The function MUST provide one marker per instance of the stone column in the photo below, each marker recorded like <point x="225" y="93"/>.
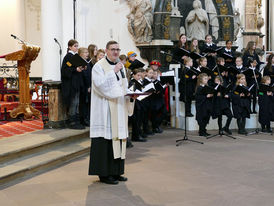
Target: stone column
<point x="252" y="33"/>
<point x="51" y="27"/>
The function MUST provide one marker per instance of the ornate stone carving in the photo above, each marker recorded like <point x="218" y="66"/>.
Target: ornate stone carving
<point x="197" y="23"/>
<point x="140" y="20"/>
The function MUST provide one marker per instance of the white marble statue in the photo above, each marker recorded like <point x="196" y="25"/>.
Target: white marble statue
<point x="140" y="20"/>
<point x="197" y="23"/>
<point x="213" y="19"/>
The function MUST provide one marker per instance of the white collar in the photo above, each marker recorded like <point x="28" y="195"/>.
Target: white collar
<point x="239" y="67"/>
<point x="209" y="44"/>
<point x="227" y="50"/>
<point x="71" y="52"/>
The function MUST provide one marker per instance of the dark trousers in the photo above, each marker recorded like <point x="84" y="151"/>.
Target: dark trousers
<point x="241" y="123"/>
<point x="136" y="121"/>
<point x="227" y="112"/>
<point x="102" y="162"/>
<point x="202" y="124"/>
<point x="157" y="117"/>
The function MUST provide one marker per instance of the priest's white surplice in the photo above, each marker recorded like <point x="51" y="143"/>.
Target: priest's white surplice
<point x="105" y="87"/>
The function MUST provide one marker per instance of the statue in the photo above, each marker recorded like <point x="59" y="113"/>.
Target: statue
<point x="197" y="23"/>
<point x="214" y="22"/>
<point x="237" y="24"/>
<point x="140" y="20"/>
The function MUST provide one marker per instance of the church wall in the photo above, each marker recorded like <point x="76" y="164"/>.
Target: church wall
<point x="104" y="20"/>
<point x="12" y="17"/>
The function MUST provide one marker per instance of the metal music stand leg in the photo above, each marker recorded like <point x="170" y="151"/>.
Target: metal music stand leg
<point x="220" y="135"/>
<point x="180" y="141"/>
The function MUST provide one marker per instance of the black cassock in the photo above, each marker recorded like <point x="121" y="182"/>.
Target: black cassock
<point x="269" y="72"/>
<point x="211" y="60"/>
<point x="203" y="107"/>
<point x="221" y="106"/>
<point x="72" y="81"/>
<point x="266" y="108"/>
<point x="102" y="162"/>
<point x="240" y="106"/>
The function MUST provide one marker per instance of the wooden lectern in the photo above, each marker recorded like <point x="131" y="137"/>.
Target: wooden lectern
<point x="24" y="58"/>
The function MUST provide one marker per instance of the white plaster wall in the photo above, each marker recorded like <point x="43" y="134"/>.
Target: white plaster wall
<point x="104" y="20"/>
<point x="13" y="22"/>
<point x="33" y="33"/>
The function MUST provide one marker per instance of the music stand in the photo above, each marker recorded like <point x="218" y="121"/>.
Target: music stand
<point x="180" y="141"/>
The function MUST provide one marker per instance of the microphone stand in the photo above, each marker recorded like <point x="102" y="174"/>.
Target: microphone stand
<point x="60" y="51"/>
<point x="15" y="37"/>
<point x="185" y="138"/>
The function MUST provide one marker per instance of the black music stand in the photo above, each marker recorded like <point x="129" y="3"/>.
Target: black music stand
<point x="180" y="141"/>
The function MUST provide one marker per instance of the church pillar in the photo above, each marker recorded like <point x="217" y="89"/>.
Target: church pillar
<point x="252" y="32"/>
<point x="51" y="27"/>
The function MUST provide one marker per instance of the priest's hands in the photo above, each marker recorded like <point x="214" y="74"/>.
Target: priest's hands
<point x="118" y="67"/>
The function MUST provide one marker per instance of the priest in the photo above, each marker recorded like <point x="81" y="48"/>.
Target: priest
<point x="110" y="108"/>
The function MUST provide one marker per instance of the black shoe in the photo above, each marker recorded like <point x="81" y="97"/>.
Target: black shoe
<point x="157" y="130"/>
<point x="109" y="180"/>
<point x="120" y="178"/>
<point x="254" y="112"/>
<point x="160" y="130"/>
<point x="269" y="130"/>
<point x="202" y="134"/>
<point x="228" y="131"/>
<point x="207" y="134"/>
<point x="144" y="135"/>
<point x="129" y="144"/>
<point x="244" y="132"/>
<point x="149" y="133"/>
<point x="138" y="139"/>
<point x="264" y="130"/>
<point x="189" y="114"/>
<point x="76" y="126"/>
<point x="221" y="132"/>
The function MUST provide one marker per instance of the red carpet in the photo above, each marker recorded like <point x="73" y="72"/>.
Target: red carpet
<point x="8" y="129"/>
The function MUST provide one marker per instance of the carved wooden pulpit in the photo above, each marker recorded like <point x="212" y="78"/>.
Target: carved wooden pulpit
<point x="24" y="58"/>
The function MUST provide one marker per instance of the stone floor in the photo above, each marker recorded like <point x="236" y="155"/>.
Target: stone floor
<point x="222" y="172"/>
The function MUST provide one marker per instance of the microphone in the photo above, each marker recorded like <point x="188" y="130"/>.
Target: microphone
<point x="56" y="41"/>
<point x="15" y="37"/>
<point x="121" y="70"/>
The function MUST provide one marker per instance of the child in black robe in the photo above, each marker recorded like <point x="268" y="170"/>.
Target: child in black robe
<point x="158" y="109"/>
<point x="265" y="105"/>
<point x="136" y="118"/>
<point x="72" y="82"/>
<point x="203" y="104"/>
<point x="221" y="106"/>
<point x="187" y="84"/>
<point x="241" y="104"/>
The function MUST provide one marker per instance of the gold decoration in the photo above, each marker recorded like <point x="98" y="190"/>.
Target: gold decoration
<point x="166" y="33"/>
<point x="226" y="36"/>
<point x="224" y="10"/>
<point x="226" y="22"/>
<point x="167" y="20"/>
<point x="219" y="1"/>
<point x="169" y="6"/>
